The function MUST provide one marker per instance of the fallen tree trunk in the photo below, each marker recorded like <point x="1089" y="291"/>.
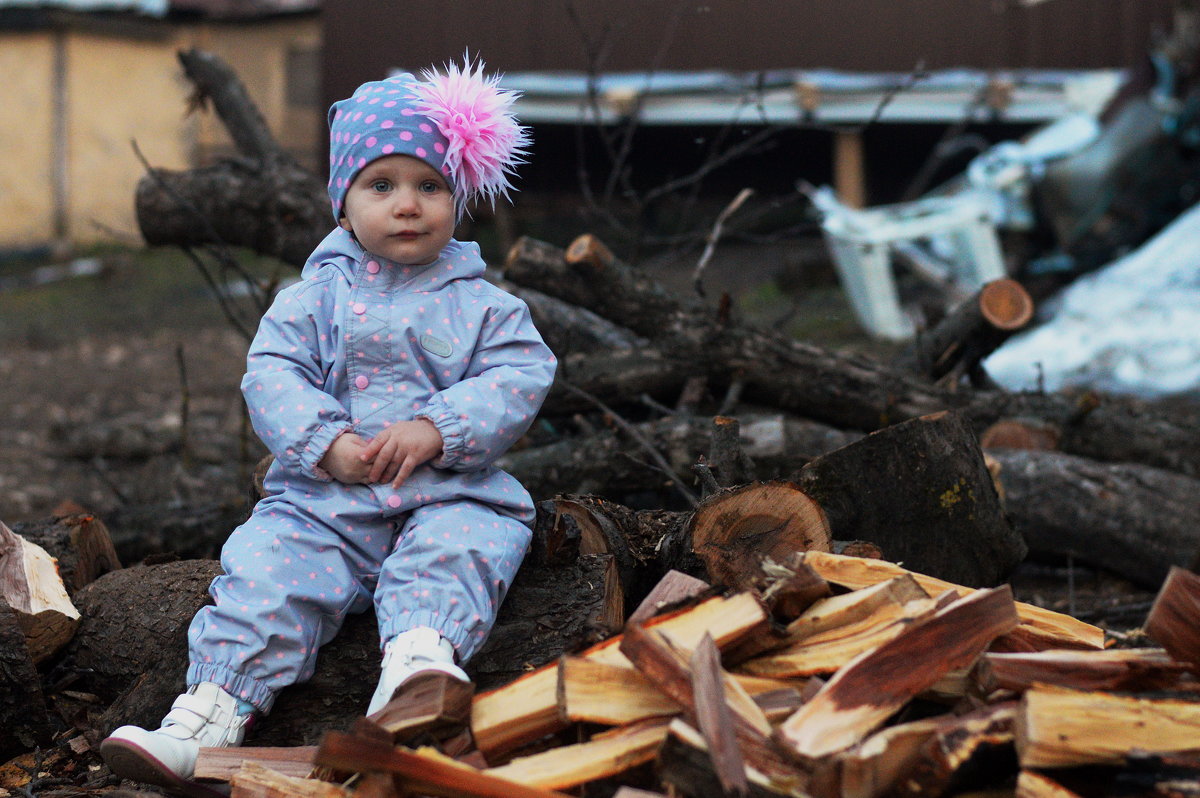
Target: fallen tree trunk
<point x="264" y="201"/>
<point x="846" y="391"/>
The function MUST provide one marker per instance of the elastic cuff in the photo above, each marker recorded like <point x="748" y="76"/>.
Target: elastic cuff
<point x="450" y="426"/>
<point x="459" y="636"/>
<point x="238" y="685"/>
<point x="318" y="445"/>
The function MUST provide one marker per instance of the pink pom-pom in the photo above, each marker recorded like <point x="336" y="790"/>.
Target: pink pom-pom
<point x="485" y="142"/>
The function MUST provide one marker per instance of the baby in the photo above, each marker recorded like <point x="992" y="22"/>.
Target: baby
<point x="386" y="383"/>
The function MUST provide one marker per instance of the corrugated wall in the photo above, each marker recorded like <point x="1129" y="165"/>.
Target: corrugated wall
<point x="364" y="38"/>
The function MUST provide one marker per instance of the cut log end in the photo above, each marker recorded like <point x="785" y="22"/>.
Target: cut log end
<point x="733" y="532"/>
<point x="1012" y="433"/>
<point x="1005" y="304"/>
<point x="589" y="250"/>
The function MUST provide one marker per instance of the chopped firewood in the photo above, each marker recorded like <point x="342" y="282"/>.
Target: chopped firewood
<point x="727" y="619"/>
<point x="715" y="719"/>
<point x="668" y="668"/>
<point x="423" y="772"/>
<point x="605" y="755"/>
<point x="974" y="750"/>
<point x="521" y="711"/>
<point x="732" y="531"/>
<point x="1115" y="669"/>
<point x="1031" y="784"/>
<point x="80" y="544"/>
<point x="254" y="780"/>
<point x="30" y="584"/>
<point x="634" y="792"/>
<point x="889" y="761"/>
<point x="220" y="764"/>
<point x="600" y="692"/>
<point x="825" y="651"/>
<point x="527" y="708"/>
<point x="847" y="608"/>
<point x="1058" y="727"/>
<point x="1174" y="620"/>
<point x="793" y="591"/>
<point x="1040" y="628"/>
<point x="675" y="586"/>
<point x="432" y="702"/>
<point x="684" y="762"/>
<point x="922" y="492"/>
<point x="867" y="690"/>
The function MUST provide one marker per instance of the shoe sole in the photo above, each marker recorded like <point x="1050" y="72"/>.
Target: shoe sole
<point x="131" y="761"/>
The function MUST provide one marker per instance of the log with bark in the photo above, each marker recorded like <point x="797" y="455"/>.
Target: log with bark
<point x="973" y="330"/>
<point x="1130" y="519"/>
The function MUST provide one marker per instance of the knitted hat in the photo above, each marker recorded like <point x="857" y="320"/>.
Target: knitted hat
<point x="458" y="121"/>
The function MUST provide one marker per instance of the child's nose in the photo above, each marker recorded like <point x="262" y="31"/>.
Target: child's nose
<point x="405" y="202"/>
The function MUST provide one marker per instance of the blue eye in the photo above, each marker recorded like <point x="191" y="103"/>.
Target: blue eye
<point x="380" y="185"/>
<point x="430" y="186"/>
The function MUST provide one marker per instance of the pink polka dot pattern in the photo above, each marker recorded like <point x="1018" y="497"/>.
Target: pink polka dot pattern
<point x="393" y="126"/>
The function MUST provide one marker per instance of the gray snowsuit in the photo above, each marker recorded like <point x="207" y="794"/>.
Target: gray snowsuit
<point x="359" y="343"/>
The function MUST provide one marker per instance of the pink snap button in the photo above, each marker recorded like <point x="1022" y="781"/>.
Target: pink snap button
<point x="372" y="267"/>
<point x="360" y="308"/>
<point x="393" y="501"/>
<point x="361" y="382"/>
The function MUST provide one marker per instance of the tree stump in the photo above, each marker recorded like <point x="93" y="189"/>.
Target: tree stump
<point x="81" y="545"/>
<point x="922" y="492"/>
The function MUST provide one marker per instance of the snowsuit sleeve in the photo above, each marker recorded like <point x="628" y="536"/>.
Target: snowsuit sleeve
<point x="287" y="369"/>
<point x="506" y="381"/>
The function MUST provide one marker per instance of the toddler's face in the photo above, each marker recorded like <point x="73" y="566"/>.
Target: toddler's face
<point x="400" y="208"/>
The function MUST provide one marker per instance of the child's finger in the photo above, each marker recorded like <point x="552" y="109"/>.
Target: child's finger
<point x="406" y="469"/>
<point x="382" y="460"/>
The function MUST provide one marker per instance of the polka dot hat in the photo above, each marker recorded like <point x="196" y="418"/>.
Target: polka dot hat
<point x="456" y="120"/>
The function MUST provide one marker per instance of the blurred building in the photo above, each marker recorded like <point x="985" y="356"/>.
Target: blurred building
<point x="868" y="87"/>
<point x="85" y="81"/>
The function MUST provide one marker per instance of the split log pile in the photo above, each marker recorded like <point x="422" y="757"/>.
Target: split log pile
<point x="845" y="676"/>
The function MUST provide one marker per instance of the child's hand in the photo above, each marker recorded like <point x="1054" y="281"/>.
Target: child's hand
<point x="396" y="451"/>
<point x="344" y="459"/>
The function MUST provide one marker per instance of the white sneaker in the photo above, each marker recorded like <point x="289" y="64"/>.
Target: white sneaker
<point x="408" y="653"/>
<point x="204" y="716"/>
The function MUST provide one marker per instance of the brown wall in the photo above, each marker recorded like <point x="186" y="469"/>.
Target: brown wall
<point x="365" y="38"/>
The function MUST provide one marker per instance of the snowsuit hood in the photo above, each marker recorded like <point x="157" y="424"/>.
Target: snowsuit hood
<point x="340" y="250"/>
